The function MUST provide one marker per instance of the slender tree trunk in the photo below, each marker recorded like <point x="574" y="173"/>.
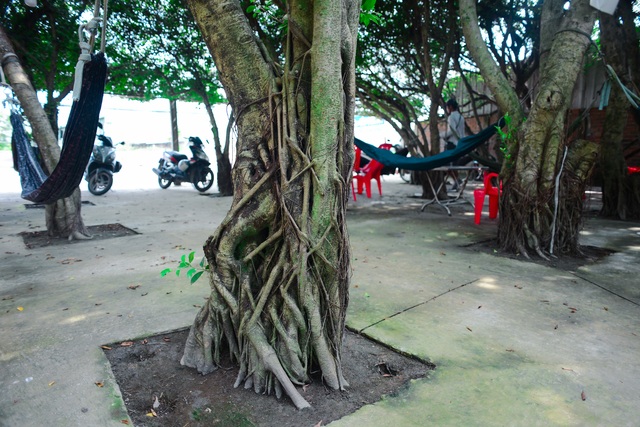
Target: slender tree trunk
<point x="280" y="259"/>
<point x="225" y="183"/>
<point x="63" y="217"/>
<point x="173" y="112"/>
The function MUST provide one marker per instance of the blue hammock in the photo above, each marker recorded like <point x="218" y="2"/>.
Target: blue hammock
<point x="77" y="142"/>
<point x="465" y="146"/>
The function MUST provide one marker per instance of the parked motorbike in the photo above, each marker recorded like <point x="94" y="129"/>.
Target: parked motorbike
<point x="177" y="168"/>
<point x="102" y="165"/>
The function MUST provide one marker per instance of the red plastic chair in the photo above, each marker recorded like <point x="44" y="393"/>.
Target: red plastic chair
<point x="356" y="171"/>
<point x="489" y="190"/>
<point x="356" y="163"/>
<point x="369" y="172"/>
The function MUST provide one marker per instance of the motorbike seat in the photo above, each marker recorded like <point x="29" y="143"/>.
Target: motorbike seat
<point x="176" y="155"/>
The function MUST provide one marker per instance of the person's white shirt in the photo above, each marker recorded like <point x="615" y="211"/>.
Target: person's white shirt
<point x="455" y="129"/>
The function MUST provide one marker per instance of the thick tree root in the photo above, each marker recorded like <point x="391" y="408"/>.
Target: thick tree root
<point x="76" y="235"/>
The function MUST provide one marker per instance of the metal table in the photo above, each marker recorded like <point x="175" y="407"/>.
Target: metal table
<point x="459" y="196"/>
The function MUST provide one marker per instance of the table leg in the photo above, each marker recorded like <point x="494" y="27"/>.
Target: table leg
<point x="435" y="197"/>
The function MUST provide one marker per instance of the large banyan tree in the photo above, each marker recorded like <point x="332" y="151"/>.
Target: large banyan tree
<point x="280" y="259"/>
<point x="545" y="172"/>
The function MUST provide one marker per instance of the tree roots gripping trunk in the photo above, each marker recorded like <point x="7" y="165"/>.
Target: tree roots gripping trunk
<point x="544" y="185"/>
<point x="280" y="259"/>
<point x="63" y="218"/>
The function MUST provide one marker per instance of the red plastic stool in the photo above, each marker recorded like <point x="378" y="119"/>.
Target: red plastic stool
<point x="494" y="197"/>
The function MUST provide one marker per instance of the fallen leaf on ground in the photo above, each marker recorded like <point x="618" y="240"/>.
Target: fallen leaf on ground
<point x="510" y="350"/>
<point x="469" y="329"/>
<point x="166" y="339"/>
<point x="99" y="384"/>
<point x="70" y="261"/>
<point x="132" y="287"/>
<point x="126" y="344"/>
<point x="51" y="383"/>
<point x="105" y="347"/>
<point x="568" y="369"/>
<point x="125" y="422"/>
<point x="583" y="395"/>
<point x="319" y="424"/>
<point x="156" y="403"/>
<point x="20" y="308"/>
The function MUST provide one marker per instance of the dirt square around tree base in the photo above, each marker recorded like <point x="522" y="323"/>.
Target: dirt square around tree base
<point x="158" y="391"/>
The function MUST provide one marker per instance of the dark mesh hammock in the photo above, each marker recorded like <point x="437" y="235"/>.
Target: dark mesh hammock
<point x="465" y="146"/>
<point x="77" y="142"/>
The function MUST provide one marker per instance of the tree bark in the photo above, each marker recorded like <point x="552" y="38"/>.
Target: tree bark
<point x="63" y="217"/>
<point x="280" y="259"/>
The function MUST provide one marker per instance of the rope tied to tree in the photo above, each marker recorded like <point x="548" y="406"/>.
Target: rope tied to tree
<point x="86" y="47"/>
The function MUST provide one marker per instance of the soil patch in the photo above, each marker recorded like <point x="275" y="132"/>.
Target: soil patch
<point x="590" y="255"/>
<point x="158" y="391"/>
<point x="39" y="239"/>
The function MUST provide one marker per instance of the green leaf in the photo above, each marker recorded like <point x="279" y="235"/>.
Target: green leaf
<point x="190" y="272"/>
<point x="184" y="264"/>
<point x="178" y="272"/>
<point x="183" y="258"/>
<point x="196" y="276"/>
<point x="203" y="262"/>
<point x="165" y="272"/>
<point x="368" y="5"/>
<point x="251" y="8"/>
<point x="192" y="255"/>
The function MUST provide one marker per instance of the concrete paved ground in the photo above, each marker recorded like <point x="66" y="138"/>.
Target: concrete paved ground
<point x="515" y="343"/>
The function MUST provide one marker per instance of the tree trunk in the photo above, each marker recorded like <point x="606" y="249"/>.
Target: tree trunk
<point x="225" y="183"/>
<point x="280" y="259"/>
<point x="540" y="212"/>
<point x="173" y="112"/>
<point x="620" y="198"/>
<point x="63" y="217"/>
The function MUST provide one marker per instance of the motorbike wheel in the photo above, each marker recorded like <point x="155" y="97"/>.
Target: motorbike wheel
<point x="100" y="182"/>
<point x="205" y="182"/>
<point x="164" y="183"/>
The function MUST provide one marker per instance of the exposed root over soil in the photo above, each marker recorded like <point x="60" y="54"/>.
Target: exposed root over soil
<point x="150" y="378"/>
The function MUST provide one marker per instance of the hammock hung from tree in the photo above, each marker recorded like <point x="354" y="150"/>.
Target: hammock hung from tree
<point x="80" y="132"/>
<point x="78" y="139"/>
<point x="465" y="146"/>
